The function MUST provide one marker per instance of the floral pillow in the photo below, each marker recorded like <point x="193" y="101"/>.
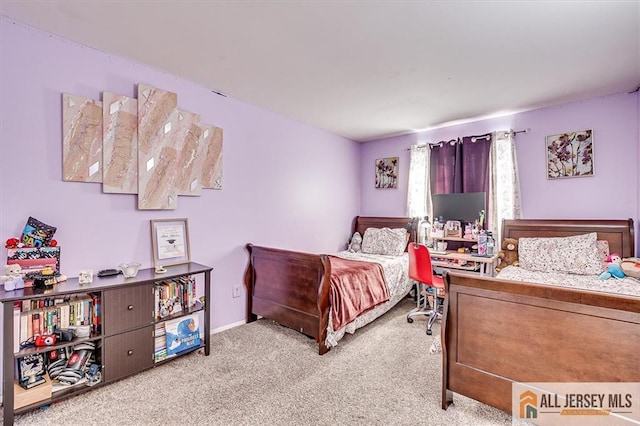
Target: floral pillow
<point x="391" y="242"/>
<point x="572" y="255"/>
<point x="603" y="252"/>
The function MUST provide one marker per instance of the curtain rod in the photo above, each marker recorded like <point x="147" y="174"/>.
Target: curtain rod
<point x="513" y="132"/>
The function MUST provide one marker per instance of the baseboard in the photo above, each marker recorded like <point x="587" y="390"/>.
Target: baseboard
<point x="228" y="326"/>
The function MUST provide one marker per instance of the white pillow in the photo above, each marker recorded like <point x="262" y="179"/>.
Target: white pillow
<point x="391" y="242"/>
<point x="572" y="255"/>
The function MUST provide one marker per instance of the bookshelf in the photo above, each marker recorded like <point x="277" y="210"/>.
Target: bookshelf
<point x="122" y="330"/>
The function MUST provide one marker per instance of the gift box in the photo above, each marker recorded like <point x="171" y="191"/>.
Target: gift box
<point x="33" y="260"/>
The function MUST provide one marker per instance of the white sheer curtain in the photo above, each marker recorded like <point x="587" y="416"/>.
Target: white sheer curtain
<point x="504" y="186"/>
<point x="419" y="192"/>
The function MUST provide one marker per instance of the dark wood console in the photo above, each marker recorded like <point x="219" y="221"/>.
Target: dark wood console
<point x="124" y="342"/>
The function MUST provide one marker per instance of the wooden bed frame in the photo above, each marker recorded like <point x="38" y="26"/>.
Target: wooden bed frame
<point x="292" y="288"/>
<point x="497" y="332"/>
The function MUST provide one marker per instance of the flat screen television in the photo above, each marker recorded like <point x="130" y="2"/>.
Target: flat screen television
<point x="464" y="207"/>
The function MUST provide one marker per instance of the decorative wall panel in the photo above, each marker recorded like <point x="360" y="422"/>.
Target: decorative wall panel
<point x="158" y="149"/>
<point x="120" y="144"/>
<point x="81" y="139"/>
<point x="189" y="162"/>
<point x="212" y="167"/>
<point x="144" y="146"/>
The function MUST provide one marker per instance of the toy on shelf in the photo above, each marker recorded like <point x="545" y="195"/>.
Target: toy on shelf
<point x="12" y="277"/>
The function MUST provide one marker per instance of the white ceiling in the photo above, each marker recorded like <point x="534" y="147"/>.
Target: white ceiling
<point x="368" y="69"/>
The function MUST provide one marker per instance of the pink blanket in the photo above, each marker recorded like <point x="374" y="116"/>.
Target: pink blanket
<point x="356" y="287"/>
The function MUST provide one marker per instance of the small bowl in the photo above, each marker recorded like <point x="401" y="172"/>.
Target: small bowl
<point x="130" y="270"/>
<point x="82" y="330"/>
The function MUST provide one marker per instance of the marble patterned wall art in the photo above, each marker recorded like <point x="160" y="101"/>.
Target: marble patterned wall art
<point x="212" y="167"/>
<point x="192" y="155"/>
<point x="158" y="148"/>
<point x="81" y="139"/>
<point x="120" y="144"/>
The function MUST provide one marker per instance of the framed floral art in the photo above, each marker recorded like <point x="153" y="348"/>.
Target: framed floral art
<point x="387" y="172"/>
<point x="570" y="154"/>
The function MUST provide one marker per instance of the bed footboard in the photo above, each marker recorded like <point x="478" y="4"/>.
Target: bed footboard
<point x="290" y="288"/>
<point x="497" y="332"/>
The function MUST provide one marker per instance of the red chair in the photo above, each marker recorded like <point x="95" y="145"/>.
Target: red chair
<point x="421" y="271"/>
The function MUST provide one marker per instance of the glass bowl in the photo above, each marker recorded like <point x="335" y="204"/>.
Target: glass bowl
<point x="130" y="270"/>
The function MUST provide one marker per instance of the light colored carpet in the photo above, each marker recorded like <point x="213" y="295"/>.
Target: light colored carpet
<point x="265" y="374"/>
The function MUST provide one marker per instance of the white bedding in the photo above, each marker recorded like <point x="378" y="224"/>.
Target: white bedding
<point x="395" y="270"/>
<point x="627" y="286"/>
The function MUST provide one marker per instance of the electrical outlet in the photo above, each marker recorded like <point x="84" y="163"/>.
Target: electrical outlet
<point x="236" y="291"/>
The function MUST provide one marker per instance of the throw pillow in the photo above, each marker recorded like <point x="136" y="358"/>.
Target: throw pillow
<point x="571" y="255"/>
<point x="603" y="252"/>
<point x="386" y="241"/>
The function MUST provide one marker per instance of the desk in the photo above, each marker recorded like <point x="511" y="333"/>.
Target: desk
<point x="486" y="265"/>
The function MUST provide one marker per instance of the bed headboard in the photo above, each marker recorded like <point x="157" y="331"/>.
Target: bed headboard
<point x="619" y="233"/>
<point x="363" y="222"/>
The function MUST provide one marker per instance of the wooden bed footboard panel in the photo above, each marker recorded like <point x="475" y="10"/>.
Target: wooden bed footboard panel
<point x="288" y="287"/>
<point x="496" y="332"/>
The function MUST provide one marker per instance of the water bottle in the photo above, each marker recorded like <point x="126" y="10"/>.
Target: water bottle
<point x="490" y="244"/>
<point x="424" y="228"/>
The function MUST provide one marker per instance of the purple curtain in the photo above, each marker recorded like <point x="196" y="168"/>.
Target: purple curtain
<point x="443" y="166"/>
<point x="474" y="164"/>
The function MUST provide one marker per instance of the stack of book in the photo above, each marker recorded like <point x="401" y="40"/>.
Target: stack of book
<point x="160" y="341"/>
<point x="174" y="296"/>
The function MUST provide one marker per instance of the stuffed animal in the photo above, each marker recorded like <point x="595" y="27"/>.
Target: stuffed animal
<point x="613" y="268"/>
<point x="631" y="267"/>
<point x="509" y="253"/>
<point x="12" y="243"/>
<point x="12" y="277"/>
<point x="355" y="245"/>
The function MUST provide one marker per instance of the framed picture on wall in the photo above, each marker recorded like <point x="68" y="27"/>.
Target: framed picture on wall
<point x="387" y="172"/>
<point x="170" y="242"/>
<point x="570" y="154"/>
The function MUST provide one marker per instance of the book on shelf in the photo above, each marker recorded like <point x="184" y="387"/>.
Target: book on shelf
<point x="182" y="334"/>
<point x="35" y="319"/>
<point x="16" y="326"/>
<point x="24" y="326"/>
<point x="96" y="326"/>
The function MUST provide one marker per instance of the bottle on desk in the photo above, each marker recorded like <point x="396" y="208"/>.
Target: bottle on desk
<point x="491" y="244"/>
<point x="482" y="243"/>
<point x="424" y="231"/>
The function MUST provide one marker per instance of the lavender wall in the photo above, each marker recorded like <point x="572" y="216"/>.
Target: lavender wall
<point x="278" y="190"/>
<point x="613" y="192"/>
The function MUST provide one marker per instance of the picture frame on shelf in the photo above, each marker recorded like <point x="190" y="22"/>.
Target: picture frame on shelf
<point x="170" y="242"/>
